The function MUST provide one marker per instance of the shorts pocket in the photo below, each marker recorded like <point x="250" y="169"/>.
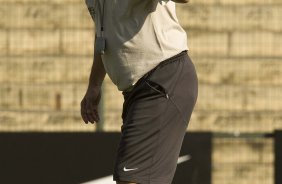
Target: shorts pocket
<point x="157" y="87"/>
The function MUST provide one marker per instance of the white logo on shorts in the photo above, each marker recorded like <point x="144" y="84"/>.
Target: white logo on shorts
<point x="125" y="169"/>
<point x="184" y="158"/>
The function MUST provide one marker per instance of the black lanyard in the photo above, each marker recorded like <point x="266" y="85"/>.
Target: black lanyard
<point x="100" y="41"/>
<point x="102" y="21"/>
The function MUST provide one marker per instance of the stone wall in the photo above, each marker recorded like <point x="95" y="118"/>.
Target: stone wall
<point x="45" y="59"/>
<point x="236" y="47"/>
<point x="46" y="53"/>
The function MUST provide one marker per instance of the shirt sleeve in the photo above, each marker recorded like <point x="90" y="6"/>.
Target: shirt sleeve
<point x="163" y="2"/>
<point x="91" y="8"/>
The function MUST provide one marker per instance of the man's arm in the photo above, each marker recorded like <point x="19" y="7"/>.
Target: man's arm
<point x="90" y="101"/>
<point x="98" y="72"/>
<point x="180" y="1"/>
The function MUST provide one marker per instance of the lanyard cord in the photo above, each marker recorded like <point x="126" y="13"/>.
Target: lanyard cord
<point x="102" y="21"/>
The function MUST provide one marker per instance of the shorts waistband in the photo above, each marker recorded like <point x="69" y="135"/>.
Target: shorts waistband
<point x="171" y="59"/>
<point x="162" y="63"/>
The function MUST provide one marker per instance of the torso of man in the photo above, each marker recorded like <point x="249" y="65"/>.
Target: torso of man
<point x="139" y="35"/>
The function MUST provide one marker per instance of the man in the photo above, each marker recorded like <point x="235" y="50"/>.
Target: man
<point x="143" y="49"/>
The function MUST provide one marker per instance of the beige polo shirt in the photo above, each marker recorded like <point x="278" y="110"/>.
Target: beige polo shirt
<point x="139" y="35"/>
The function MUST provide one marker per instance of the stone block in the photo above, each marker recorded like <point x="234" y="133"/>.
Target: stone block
<point x="243" y="150"/>
<point x="238" y="2"/>
<point x="20" y="96"/>
<point x="34" y="42"/>
<point x="49" y="121"/>
<point x="238" y="71"/>
<point x="3" y="42"/>
<point x="254" y="44"/>
<point x="208" y="44"/>
<point x="78" y="42"/>
<point x="243" y="98"/>
<point x="230" y="18"/>
<point x="76" y="16"/>
<point x="235" y="121"/>
<point x="235" y="173"/>
<point x="113" y="106"/>
<point x="51" y="15"/>
<point x="247" y="2"/>
<point x="10" y="97"/>
<point x="43" y="70"/>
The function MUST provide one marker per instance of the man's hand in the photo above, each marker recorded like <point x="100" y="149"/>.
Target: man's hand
<point x="180" y="1"/>
<point x="89" y="104"/>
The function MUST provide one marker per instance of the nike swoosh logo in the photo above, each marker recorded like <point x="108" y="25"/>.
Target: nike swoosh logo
<point x="129" y="169"/>
<point x="183" y="158"/>
<point x="109" y="179"/>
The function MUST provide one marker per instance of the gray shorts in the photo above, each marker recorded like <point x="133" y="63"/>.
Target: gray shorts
<point x="155" y="115"/>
